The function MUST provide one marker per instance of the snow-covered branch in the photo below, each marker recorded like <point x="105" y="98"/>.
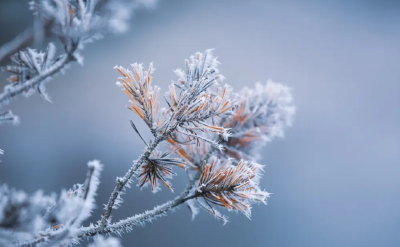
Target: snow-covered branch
<point x="11" y="91"/>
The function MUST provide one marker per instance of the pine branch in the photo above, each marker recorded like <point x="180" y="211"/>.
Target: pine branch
<point x="74" y="23"/>
<point x="220" y="181"/>
<point x="11" y="93"/>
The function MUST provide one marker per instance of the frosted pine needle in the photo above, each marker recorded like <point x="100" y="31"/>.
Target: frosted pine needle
<point x="158" y="168"/>
<point x="193" y="104"/>
<point x="262" y="114"/>
<point x="190" y="150"/>
<point x="29" y="63"/>
<point x="143" y="97"/>
<point x="232" y="187"/>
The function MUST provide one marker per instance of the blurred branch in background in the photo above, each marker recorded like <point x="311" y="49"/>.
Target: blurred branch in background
<point x="20" y="42"/>
<point x="74" y="23"/>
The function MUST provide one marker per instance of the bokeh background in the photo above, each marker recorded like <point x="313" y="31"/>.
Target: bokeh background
<point x="335" y="178"/>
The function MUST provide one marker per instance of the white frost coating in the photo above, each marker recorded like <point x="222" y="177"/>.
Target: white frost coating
<point x="21" y="215"/>
<point x="279" y="109"/>
<point x="91" y="184"/>
<point x="193" y="209"/>
<point x="231" y="186"/>
<point x="24" y="217"/>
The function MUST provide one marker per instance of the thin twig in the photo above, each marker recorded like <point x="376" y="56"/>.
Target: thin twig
<point x="149" y="215"/>
<point x="66" y="230"/>
<point x="123" y="181"/>
<point x="127" y="223"/>
<point x="139" y="219"/>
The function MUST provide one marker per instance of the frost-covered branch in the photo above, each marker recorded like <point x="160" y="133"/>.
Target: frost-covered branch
<point x="115" y="198"/>
<point x="46" y="219"/>
<point x="195" y="101"/>
<point x="210" y="131"/>
<point x="214" y="134"/>
<point x="126" y="225"/>
<point x="10" y="92"/>
<point x="75" y="23"/>
<point x="188" y="112"/>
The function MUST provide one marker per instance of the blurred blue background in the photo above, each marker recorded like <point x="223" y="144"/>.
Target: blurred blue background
<point x="335" y="178"/>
